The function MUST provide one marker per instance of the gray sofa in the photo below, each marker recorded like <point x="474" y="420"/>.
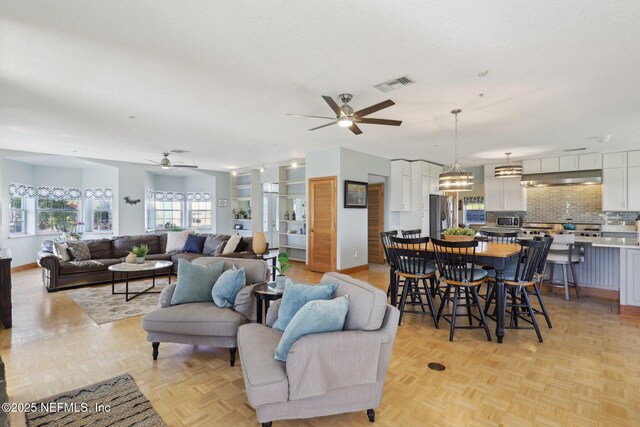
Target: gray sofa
<point x="105" y="252"/>
<point x="327" y="373"/>
<point x="204" y="323"/>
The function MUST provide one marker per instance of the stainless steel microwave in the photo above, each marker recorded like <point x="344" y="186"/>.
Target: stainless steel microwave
<point x="508" y="221"/>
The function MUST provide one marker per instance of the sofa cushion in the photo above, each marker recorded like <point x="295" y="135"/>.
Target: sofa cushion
<point x="265" y="378"/>
<point x="296" y="295"/>
<point x="100" y="248"/>
<point x="367" y="304"/>
<point x="176" y="241"/>
<point x="176" y="257"/>
<point x="81" y="266"/>
<point x="194" y="244"/>
<point x="123" y="244"/>
<point x="212" y="242"/>
<point x="61" y="250"/>
<point x="256" y="271"/>
<point x="198" y="318"/>
<point x="195" y="282"/>
<point x="231" y="244"/>
<point x="109" y="261"/>
<point x="245" y="244"/>
<point x="227" y="286"/>
<point x="314" y="317"/>
<point x="47" y="246"/>
<point x="162" y="241"/>
<point x="79" y="250"/>
<point x="158" y="257"/>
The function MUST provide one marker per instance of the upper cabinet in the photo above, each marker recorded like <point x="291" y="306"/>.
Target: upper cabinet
<point x="549" y="164"/>
<point x="589" y="161"/>
<point x="620" y="177"/>
<point x="563" y="163"/>
<point x="531" y="166"/>
<point x="614" y="160"/>
<point x="568" y="163"/>
<point x="400" y="186"/>
<point x="503" y="194"/>
<point x="411" y="184"/>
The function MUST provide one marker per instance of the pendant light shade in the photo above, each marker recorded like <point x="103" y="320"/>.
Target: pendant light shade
<point x="509" y="170"/>
<point x="456" y="178"/>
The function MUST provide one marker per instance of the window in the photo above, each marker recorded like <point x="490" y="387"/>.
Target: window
<point x="474" y="212"/>
<point x="17" y="216"/>
<point x="199" y="210"/>
<point x="57" y="214"/>
<point x="164" y="209"/>
<point x="168" y="213"/>
<point x="101" y="214"/>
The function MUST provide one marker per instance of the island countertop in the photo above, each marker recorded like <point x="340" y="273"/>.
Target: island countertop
<point x="603" y="242"/>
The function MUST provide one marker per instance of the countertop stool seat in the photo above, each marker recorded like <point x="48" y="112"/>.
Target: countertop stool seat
<point x="564" y="252"/>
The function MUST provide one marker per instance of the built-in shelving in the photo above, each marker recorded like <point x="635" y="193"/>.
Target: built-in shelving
<point x="293" y="200"/>
<point x="241" y="203"/>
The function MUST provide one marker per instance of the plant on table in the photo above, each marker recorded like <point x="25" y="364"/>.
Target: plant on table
<point x="283" y="260"/>
<point x="172" y="227"/>
<point x="459" y="231"/>
<point x="140" y="252"/>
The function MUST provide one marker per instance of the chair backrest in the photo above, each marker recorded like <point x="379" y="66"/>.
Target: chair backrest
<point x="255" y="270"/>
<point x="500" y="236"/>
<point x="455" y="259"/>
<point x="532" y="253"/>
<point x="386" y="242"/>
<point x="548" y="240"/>
<point x="412" y="234"/>
<point x="563" y="242"/>
<point x="410" y="255"/>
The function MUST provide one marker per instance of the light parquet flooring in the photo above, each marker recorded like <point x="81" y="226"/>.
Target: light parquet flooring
<point x="586" y="373"/>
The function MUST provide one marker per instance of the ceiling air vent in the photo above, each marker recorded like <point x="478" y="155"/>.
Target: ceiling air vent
<point x="568" y="150"/>
<point x="394" y="84"/>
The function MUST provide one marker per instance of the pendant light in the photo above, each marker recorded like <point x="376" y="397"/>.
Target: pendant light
<point x="456" y="179"/>
<point x="509" y="170"/>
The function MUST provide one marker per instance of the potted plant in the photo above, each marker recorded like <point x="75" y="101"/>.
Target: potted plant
<point x="283" y="260"/>
<point x="459" y="234"/>
<point x="140" y="252"/>
<point x="242" y="214"/>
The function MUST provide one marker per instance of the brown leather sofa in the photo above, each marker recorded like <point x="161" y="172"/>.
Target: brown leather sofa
<point x="57" y="275"/>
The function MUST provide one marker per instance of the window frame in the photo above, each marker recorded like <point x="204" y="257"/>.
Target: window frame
<point x="208" y="214"/>
<point x="93" y="211"/>
<point x="180" y="211"/>
<point x="77" y="211"/>
<point x="24" y="213"/>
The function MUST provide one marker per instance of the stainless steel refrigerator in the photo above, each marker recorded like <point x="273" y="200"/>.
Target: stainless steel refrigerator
<point x="440" y="215"/>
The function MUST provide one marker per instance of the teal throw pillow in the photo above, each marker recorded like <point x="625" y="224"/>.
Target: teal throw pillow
<point x="297" y="295"/>
<point x="227" y="286"/>
<point x="195" y="281"/>
<point x="316" y="316"/>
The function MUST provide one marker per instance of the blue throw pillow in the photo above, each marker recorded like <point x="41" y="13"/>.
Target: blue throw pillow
<point x="195" y="281"/>
<point x="194" y="244"/>
<point x="316" y="316"/>
<point x="227" y="286"/>
<point x="297" y="295"/>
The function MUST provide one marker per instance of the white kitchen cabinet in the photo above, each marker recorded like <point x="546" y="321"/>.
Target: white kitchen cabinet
<point x="589" y="161"/>
<point x="504" y="194"/>
<point x="568" y="163"/>
<point x="406" y="193"/>
<point x="633" y="188"/>
<point x="633" y="159"/>
<point x="614" y="189"/>
<point x="435" y="170"/>
<point x="549" y="164"/>
<point x="531" y="166"/>
<point x="614" y="160"/>
<point x="426" y="191"/>
<point x="493" y="194"/>
<point x="424" y="224"/>
<point x="400" y="186"/>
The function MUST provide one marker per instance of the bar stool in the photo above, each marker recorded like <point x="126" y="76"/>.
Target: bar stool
<point x="455" y="266"/>
<point x="518" y="278"/>
<point x="565" y="252"/>
<point x="393" y="279"/>
<point x="414" y="266"/>
<point x="412" y="234"/>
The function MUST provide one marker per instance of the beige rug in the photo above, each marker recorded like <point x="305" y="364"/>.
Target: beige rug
<point x="115" y="402"/>
<point x="103" y="307"/>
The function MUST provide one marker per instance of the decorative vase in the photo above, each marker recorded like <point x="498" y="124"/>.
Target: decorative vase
<point x="140" y="259"/>
<point x="259" y="243"/>
<point x="131" y="258"/>
<point x="280" y="280"/>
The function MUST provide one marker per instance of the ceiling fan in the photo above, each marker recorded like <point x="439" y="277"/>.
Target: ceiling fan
<point x="347" y="118"/>
<point x="165" y="163"/>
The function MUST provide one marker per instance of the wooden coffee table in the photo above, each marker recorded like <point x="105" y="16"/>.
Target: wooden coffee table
<point x="126" y="268"/>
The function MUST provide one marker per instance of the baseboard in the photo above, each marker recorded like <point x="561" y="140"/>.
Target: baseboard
<point x="629" y="310"/>
<point x="607" y="294"/>
<point x="355" y="269"/>
<point x="24" y="267"/>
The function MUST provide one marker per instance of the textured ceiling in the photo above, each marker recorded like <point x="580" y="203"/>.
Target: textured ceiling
<point x="218" y="78"/>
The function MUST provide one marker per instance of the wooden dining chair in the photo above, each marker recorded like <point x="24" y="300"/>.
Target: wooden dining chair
<point x="454" y="260"/>
<point x="414" y="265"/>
<point x="386" y="243"/>
<point x="412" y="234"/>
<point x="539" y="277"/>
<point x="500" y="236"/>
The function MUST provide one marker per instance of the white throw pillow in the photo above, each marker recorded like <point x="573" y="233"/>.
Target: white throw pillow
<point x="176" y="240"/>
<point x="232" y="244"/>
<point x="60" y="250"/>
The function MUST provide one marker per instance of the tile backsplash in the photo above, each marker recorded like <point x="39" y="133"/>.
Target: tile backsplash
<point x="581" y="203"/>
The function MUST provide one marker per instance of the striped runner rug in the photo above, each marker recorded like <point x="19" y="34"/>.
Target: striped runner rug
<point x="114" y="402"/>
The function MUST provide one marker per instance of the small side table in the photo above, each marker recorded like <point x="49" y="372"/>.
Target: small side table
<point x="264" y="296"/>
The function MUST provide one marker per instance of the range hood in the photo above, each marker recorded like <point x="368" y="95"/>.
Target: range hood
<point x="587" y="177"/>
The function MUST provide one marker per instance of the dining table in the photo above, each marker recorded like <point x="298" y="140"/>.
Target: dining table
<point x="497" y="255"/>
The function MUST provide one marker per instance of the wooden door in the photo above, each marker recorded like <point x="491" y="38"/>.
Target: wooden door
<point x="322" y="224"/>
<point x="375" y="222"/>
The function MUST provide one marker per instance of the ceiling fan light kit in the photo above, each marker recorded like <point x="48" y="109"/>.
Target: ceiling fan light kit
<point x="508" y="170"/>
<point x="456" y="178"/>
<point x="165" y="163"/>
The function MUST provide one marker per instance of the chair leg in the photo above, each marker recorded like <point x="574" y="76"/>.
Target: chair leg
<point x="575" y="279"/>
<point x="372" y="415"/>
<point x="154" y="352"/>
<point x="456" y="295"/>
<point x="476" y="297"/>
<point x="443" y="301"/>
<point x="543" y="308"/>
<point x="432" y="310"/>
<point x="489" y="298"/>
<point x="403" y="300"/>
<point x="232" y="356"/>
<point x="566" y="282"/>
<point x="525" y="296"/>
<point x="468" y="302"/>
<point x="267" y="424"/>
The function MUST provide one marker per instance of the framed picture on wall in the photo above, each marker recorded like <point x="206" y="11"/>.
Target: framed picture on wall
<point x="355" y="194"/>
<point x="222" y="203"/>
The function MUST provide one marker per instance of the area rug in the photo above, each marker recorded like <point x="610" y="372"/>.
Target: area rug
<point x="103" y="307"/>
<point x="114" y="402"/>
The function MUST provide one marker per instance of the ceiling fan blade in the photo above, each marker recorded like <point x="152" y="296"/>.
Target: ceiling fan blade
<point x="333" y="105"/>
<point x="324" y="126"/>
<point x="184" y="166"/>
<point x="355" y="129"/>
<point x="177" y="150"/>
<point x="380" y="122"/>
<point x="372" y="109"/>
<point x="152" y="161"/>
<point x="306" y="115"/>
